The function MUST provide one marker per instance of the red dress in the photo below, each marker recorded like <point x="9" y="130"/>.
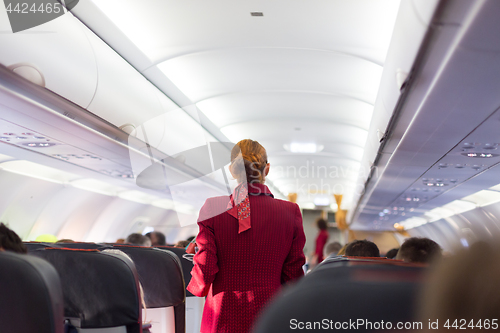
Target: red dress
<point x="320" y="244"/>
<point x="240" y="272"/>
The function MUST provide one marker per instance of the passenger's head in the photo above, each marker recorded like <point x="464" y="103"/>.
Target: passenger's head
<point x="138" y="239"/>
<point x="391" y="254"/>
<point x="157" y="238"/>
<point x="182" y="243"/>
<point x="362" y="248"/>
<point x="10" y="241"/>
<point x="65" y="240"/>
<point x="419" y="250"/>
<point x="249" y="162"/>
<point x="464" y="287"/>
<point x="332" y="248"/>
<point x="321" y="224"/>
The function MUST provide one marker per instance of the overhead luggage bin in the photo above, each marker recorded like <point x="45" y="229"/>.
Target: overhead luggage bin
<point x="365" y="294"/>
<point x="160" y="274"/>
<point x="31" y="297"/>
<point x="101" y="291"/>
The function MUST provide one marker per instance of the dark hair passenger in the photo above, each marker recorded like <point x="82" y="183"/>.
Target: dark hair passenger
<point x="391" y="254"/>
<point x="138" y="240"/>
<point x="419" y="250"/>
<point x="10" y="241"/>
<point x="157" y="238"/>
<point x="362" y="248"/>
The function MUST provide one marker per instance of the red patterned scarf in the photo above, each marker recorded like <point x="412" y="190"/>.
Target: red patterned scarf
<point x="239" y="206"/>
<point x="239" y="203"/>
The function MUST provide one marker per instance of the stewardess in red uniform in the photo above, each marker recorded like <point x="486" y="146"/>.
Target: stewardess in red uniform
<point x="250" y="244"/>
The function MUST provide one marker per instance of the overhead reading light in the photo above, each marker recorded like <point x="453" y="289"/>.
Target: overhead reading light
<point x="304" y="148"/>
<point x="38" y="144"/>
<point x="436" y="184"/>
<point x="480" y="155"/>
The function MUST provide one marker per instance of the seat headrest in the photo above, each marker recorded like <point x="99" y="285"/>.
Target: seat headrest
<point x="160" y="274"/>
<point x="100" y="289"/>
<point x="187" y="265"/>
<point x="32" y="246"/>
<point x="84" y="246"/>
<point x="341" y="292"/>
<point x="31" y="298"/>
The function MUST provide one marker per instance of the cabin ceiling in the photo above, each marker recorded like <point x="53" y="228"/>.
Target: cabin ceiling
<point x="300" y="73"/>
<point x="329" y="73"/>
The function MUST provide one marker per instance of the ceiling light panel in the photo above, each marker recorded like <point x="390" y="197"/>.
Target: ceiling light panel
<point x="38" y="171"/>
<point x="413" y="222"/>
<point x="483" y="198"/>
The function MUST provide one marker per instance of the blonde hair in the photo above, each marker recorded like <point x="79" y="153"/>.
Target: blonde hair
<point x="248" y="161"/>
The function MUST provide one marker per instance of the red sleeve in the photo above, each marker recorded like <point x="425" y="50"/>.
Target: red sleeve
<point x="205" y="260"/>
<point x="292" y="268"/>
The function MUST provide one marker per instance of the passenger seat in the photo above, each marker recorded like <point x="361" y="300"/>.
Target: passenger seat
<point x="101" y="291"/>
<point x="194" y="305"/>
<point x="31" y="299"/>
<point x="161" y="277"/>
